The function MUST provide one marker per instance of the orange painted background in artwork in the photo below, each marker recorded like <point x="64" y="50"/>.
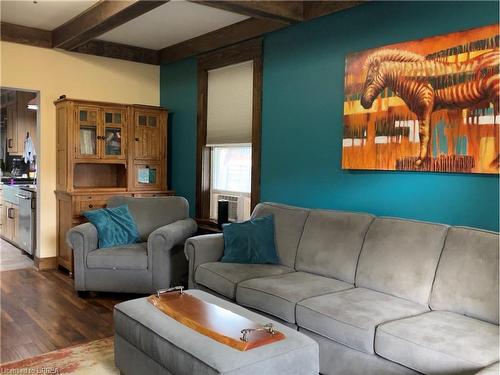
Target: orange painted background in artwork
<point x="386" y="136"/>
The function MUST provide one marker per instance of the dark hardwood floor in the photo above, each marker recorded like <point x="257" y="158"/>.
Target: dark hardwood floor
<point x="41" y="312"/>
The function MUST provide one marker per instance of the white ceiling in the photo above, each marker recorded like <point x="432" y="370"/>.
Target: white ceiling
<point x="171" y="23"/>
<point x="45" y="14"/>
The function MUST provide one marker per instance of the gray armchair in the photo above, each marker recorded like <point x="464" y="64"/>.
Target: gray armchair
<point x="155" y="263"/>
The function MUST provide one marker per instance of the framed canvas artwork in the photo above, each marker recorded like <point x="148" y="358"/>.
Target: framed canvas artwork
<point x="424" y="105"/>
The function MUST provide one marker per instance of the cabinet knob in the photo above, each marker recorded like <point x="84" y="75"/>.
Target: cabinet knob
<point x="137" y="139"/>
<point x="91" y="205"/>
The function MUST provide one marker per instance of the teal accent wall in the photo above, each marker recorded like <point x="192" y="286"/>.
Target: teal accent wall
<point x="178" y="93"/>
<point x="302" y="118"/>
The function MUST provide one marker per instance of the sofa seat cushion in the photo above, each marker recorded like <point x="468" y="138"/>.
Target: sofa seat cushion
<point x="439" y="342"/>
<point x="278" y="295"/>
<point x="350" y="317"/>
<point x="123" y="257"/>
<point x="223" y="277"/>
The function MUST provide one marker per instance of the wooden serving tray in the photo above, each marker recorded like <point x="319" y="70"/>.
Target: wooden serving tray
<point x="214" y="321"/>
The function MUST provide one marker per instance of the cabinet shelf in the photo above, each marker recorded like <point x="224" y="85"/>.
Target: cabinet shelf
<point x="99" y="175"/>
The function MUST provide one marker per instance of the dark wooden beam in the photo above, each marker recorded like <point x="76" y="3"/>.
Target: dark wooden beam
<point x="25" y="35"/>
<point x="43" y="38"/>
<point x="314" y="9"/>
<point x="282" y="11"/>
<point x="98" y="19"/>
<point x="232" y="34"/>
<point x="245" y="51"/>
<point x="120" y="51"/>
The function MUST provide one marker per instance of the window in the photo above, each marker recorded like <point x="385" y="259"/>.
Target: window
<point x="228" y="138"/>
<point x="231" y="180"/>
<point x="232" y="169"/>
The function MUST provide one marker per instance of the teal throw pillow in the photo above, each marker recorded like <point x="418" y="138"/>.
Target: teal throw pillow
<point x="250" y="242"/>
<point x="115" y="226"/>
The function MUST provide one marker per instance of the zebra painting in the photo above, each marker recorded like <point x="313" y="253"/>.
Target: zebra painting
<point x="425" y="105"/>
<point x="417" y="81"/>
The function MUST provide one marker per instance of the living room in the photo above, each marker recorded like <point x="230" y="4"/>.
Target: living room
<point x="370" y="265"/>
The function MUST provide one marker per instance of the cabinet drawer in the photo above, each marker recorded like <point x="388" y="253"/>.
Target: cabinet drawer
<point x="92" y="202"/>
<point x="92" y="205"/>
<point x="88" y="203"/>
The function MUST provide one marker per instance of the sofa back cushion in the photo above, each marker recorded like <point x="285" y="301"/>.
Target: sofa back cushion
<point x="331" y="243"/>
<point x="467" y="275"/>
<point x="400" y="257"/>
<point x="288" y="223"/>
<point x="152" y="213"/>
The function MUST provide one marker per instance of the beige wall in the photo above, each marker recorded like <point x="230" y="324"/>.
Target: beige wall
<point x="56" y="73"/>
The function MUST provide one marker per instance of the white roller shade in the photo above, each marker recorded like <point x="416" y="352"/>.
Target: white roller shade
<point x="229" y="104"/>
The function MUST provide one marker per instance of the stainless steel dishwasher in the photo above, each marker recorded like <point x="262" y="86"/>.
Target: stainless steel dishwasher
<point x="27" y="219"/>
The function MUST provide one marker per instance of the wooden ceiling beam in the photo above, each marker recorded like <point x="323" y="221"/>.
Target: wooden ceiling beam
<point x="232" y="34"/>
<point x="78" y="34"/>
<point x="98" y="19"/>
<point x="247" y="29"/>
<point x="314" y="9"/>
<point x="119" y="51"/>
<point x="287" y="12"/>
<point x="43" y="38"/>
<point x="25" y="35"/>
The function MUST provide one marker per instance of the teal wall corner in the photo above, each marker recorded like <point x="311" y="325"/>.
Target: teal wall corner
<point x="178" y="93"/>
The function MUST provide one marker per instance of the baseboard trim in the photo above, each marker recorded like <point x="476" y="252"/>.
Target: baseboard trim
<point x="49" y="263"/>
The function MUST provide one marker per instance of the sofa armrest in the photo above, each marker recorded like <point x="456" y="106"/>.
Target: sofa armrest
<point x="82" y="239"/>
<point x="165" y="258"/>
<point x="203" y="249"/>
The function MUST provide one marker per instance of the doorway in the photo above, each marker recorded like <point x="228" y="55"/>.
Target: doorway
<point x="19" y="135"/>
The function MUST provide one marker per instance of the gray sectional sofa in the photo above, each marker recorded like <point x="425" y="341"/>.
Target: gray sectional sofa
<point x="379" y="295"/>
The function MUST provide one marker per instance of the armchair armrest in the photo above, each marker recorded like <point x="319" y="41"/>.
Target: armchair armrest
<point x="203" y="249"/>
<point x="168" y="264"/>
<point x="172" y="234"/>
<point x="82" y="239"/>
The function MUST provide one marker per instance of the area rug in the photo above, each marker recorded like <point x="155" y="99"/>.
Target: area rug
<point x="96" y="358"/>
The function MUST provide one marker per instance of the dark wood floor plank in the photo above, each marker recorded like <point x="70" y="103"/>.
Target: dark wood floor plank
<point x="40" y="312"/>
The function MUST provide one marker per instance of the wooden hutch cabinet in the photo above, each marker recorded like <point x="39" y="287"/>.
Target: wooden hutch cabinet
<point x="103" y="150"/>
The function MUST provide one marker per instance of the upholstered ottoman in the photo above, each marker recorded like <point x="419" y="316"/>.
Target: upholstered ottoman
<point x="147" y="341"/>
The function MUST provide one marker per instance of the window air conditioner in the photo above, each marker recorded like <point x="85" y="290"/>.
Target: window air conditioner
<point x="234" y="205"/>
<point x="238" y="206"/>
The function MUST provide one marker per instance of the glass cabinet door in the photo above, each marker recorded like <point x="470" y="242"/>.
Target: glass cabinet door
<point x="87" y="135"/>
<point x="114" y="141"/>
